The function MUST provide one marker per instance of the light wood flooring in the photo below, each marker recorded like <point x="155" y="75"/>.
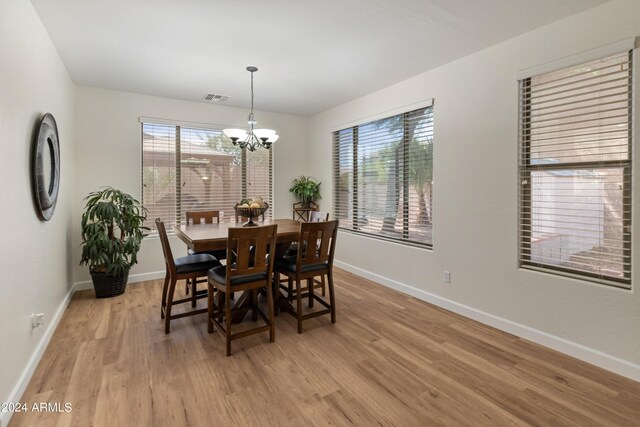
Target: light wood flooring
<point x="390" y="360"/>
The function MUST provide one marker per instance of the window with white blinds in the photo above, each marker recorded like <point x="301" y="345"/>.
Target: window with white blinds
<point x="575" y="170"/>
<point x="189" y="169"/>
<point x="383" y="177"/>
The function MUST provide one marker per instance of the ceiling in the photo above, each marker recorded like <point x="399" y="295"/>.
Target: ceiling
<point x="311" y="55"/>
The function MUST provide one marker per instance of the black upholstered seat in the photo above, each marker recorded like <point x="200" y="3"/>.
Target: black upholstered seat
<point x="197" y="262"/>
<point x="219" y="274"/>
<point x="288" y="263"/>
<point x="216" y="253"/>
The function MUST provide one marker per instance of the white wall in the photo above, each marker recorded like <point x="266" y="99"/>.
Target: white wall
<point x="109" y="150"/>
<point x="475" y="188"/>
<point x="34" y="255"/>
<point x="475" y="199"/>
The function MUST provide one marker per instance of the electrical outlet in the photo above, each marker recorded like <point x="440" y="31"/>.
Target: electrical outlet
<point x="447" y="277"/>
<point x="37" y="320"/>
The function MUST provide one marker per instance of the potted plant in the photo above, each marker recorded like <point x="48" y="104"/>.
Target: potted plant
<point x="306" y="189"/>
<point x="112" y="230"/>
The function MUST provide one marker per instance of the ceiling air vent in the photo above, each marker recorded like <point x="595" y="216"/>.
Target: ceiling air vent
<point x="212" y="97"/>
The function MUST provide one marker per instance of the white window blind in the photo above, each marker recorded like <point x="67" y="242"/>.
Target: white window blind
<point x="383" y="177"/>
<point x="575" y="170"/>
<point x="189" y="169"/>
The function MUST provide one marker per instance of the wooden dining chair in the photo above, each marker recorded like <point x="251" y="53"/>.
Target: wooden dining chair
<point x="197" y="218"/>
<point x="316" y="247"/>
<point x="202" y="217"/>
<point x="187" y="268"/>
<point x="317" y="216"/>
<point x="250" y="255"/>
<point x="206" y="217"/>
<point x="314" y="216"/>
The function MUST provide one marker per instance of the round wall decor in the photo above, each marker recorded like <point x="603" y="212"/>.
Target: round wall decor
<point x="46" y="167"/>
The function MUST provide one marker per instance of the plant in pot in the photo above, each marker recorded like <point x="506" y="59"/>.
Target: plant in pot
<point x="112" y="230"/>
<point x="306" y="189"/>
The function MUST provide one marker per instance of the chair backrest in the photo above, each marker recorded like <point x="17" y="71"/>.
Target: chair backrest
<point x="199" y="217"/>
<point x="240" y="218"/>
<point x="251" y="250"/>
<point x="317" y="243"/>
<point x="166" y="248"/>
<point x="316" y="216"/>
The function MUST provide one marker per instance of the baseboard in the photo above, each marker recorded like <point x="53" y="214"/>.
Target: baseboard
<point x="579" y="351"/>
<point x="32" y="364"/>
<point x="133" y="278"/>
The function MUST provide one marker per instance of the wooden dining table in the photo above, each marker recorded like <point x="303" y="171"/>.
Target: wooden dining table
<point x="208" y="237"/>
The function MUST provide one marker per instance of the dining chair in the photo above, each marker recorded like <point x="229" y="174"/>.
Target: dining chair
<point x="316" y="247"/>
<point x="250" y="255"/>
<point x="206" y="217"/>
<point x="317" y="216"/>
<point x="196" y="218"/>
<point x="314" y="216"/>
<point x="186" y="268"/>
<point x="202" y="217"/>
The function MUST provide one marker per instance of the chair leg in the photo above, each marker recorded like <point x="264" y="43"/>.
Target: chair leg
<point x="332" y="296"/>
<point x="299" y="305"/>
<point x="324" y="288"/>
<point x="310" y="286"/>
<point x="270" y="308"/>
<point x="227" y="301"/>
<point x="210" y="306"/>
<point x="193" y="292"/>
<point x="167" y="317"/>
<point x="165" y="287"/>
<point x="254" y="306"/>
<point x="276" y="294"/>
<point x="186" y="287"/>
<point x="220" y="305"/>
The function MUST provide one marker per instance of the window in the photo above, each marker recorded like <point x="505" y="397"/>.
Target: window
<point x="575" y="170"/>
<point x="187" y="168"/>
<point x="383" y="177"/>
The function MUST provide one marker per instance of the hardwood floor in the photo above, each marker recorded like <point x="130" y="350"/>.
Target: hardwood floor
<point x="390" y="360"/>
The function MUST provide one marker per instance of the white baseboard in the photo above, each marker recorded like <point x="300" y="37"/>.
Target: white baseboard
<point x="32" y="364"/>
<point x="133" y="278"/>
<point x="606" y="361"/>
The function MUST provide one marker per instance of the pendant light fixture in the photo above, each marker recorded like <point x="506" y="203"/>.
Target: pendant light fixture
<point x="255" y="137"/>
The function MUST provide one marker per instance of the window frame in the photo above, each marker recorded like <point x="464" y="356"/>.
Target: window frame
<point x="353" y="127"/>
<point x="526" y="168"/>
<point x="179" y="126"/>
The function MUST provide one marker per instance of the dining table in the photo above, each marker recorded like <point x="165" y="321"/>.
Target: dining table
<point x="209" y="237"/>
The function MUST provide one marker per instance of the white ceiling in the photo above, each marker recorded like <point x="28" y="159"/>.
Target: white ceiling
<point x="312" y="55"/>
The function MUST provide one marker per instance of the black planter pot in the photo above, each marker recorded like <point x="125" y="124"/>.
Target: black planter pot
<point x="108" y="285"/>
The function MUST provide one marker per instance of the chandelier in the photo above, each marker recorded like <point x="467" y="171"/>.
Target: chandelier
<point x="255" y="137"/>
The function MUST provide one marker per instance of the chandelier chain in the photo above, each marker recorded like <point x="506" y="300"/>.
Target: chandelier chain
<point x="255" y="137"/>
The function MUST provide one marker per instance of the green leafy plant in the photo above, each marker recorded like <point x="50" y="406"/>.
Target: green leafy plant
<point x="306" y="189"/>
<point x="112" y="230"/>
